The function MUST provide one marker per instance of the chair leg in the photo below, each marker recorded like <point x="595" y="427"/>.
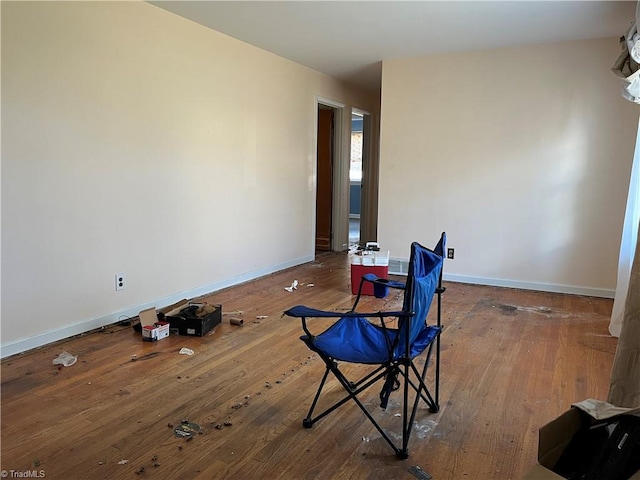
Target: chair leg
<point x="353" y="389"/>
<point x="422" y="390"/>
<point x="433" y="403"/>
<point x="437" y="385"/>
<point x="406" y="424"/>
<point x="408" y="418"/>
<point x="308" y="421"/>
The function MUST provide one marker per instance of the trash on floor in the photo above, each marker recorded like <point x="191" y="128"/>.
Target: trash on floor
<point x="153" y="329"/>
<point x="186" y="429"/>
<point x="294" y="286"/>
<point x="146" y="356"/>
<point x="423" y="429"/>
<point x="236" y="321"/>
<point x="593" y="439"/>
<point x="194" y="319"/>
<point x="419" y="473"/>
<point x="65" y="359"/>
<point x="186" y="351"/>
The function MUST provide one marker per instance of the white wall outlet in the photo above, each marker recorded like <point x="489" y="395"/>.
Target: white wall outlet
<point x="121" y="281"/>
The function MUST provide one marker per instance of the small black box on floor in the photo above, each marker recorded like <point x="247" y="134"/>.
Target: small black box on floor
<point x="194" y="319"/>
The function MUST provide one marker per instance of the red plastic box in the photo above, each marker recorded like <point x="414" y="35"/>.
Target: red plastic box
<point x="357" y="271"/>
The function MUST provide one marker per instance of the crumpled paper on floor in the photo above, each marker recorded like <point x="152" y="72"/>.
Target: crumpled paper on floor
<point x="65" y="359"/>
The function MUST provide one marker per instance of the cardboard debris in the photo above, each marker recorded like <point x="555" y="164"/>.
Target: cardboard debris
<point x="194" y="319"/>
<point x="176" y="306"/>
<point x="152" y="328"/>
<point x="556" y="435"/>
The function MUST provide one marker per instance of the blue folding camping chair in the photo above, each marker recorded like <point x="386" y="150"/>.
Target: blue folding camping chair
<point x="390" y="350"/>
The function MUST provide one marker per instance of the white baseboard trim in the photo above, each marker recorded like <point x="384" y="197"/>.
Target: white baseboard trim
<point x="400" y="267"/>
<point x="540" y="287"/>
<point x="24" y="344"/>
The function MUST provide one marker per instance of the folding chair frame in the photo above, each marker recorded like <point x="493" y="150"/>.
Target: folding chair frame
<point x="403" y="366"/>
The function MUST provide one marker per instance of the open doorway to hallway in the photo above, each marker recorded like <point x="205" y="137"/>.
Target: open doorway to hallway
<point x="355" y="176"/>
<point x="346" y="177"/>
<point x="324" y="177"/>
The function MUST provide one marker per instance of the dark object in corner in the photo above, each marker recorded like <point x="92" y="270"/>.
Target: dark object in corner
<point x="194" y="320"/>
<point x="606" y="449"/>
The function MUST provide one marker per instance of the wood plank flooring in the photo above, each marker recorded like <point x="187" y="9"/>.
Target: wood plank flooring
<point x="512" y="360"/>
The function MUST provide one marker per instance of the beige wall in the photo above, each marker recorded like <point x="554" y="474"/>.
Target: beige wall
<point x="521" y="155"/>
<point x="137" y="141"/>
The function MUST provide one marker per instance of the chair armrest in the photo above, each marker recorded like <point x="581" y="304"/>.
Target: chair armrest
<point x="301" y="311"/>
<point x="373" y="278"/>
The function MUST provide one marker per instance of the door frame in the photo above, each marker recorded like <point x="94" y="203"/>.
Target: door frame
<point x="365" y="183"/>
<point x="340" y="180"/>
<point x="370" y="177"/>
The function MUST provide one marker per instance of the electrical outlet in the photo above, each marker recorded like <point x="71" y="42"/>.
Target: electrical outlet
<point x="450" y="253"/>
<point x="121" y="281"/>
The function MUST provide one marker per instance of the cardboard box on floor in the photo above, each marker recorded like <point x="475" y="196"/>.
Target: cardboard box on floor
<point x="556" y="435"/>
<point x="197" y="326"/>
<point x="180" y="304"/>
<point x="152" y="328"/>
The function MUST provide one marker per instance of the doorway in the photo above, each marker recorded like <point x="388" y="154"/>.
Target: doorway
<point x="324" y="177"/>
<point x="331" y="175"/>
<point x="355" y="176"/>
<point x="333" y="195"/>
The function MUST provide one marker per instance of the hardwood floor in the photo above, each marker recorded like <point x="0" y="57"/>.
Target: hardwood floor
<point x="512" y="360"/>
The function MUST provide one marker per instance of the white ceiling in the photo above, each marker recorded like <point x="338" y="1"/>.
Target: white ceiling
<point x="349" y="39"/>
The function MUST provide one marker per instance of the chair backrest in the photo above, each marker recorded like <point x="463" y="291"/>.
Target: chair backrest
<point x="424" y="276"/>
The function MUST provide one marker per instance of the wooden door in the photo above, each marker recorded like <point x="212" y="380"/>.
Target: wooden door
<point x="324" y="187"/>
